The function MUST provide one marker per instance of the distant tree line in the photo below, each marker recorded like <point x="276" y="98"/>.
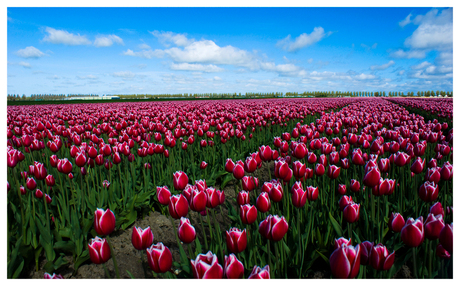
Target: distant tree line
<point x="432" y="93"/>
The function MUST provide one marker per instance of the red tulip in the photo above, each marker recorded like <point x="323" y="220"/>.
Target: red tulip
<point x="50" y="180"/>
<point x="433" y="175"/>
<point x="366" y="251"/>
<point x="344" y="201"/>
<point x="54" y="276"/>
<point x="99" y="250"/>
<point x="229" y="165"/>
<point x="396" y="222"/>
<point x="236" y="240"/>
<point x="312" y="193"/>
<point x="428" y="192"/>
<point x="249" y="183"/>
<point x="355" y="186"/>
<point x="319" y="169"/>
<point x="446" y="237"/>
<point x="159" y="258"/>
<point x="180" y="180"/>
<point x="206" y="266"/>
<point x="351" y="212"/>
<point x="248" y="214"/>
<point x="215" y="197"/>
<point x="446" y="171"/>
<point x="437" y="209"/>
<point x="186" y="230"/>
<point x="243" y="198"/>
<point x="384" y="165"/>
<point x="250" y="164"/>
<point x="141" y="238"/>
<point x="265" y="153"/>
<point x="31" y="184"/>
<point x="372" y="177"/>
<point x="238" y="172"/>
<point x="413" y="232"/>
<point x="276" y="192"/>
<point x="380" y="258"/>
<point x="104" y="221"/>
<point x="203" y="165"/>
<point x="39" y="171"/>
<point x="442" y="252"/>
<point x="345" y="261"/>
<point x="198" y="200"/>
<point x="233" y="268"/>
<point x="433" y="226"/>
<point x="299" y="197"/>
<point x="178" y="206"/>
<point x="66" y="166"/>
<point x="299" y="170"/>
<point x="273" y="227"/>
<point x="333" y="172"/>
<point x="260" y="273"/>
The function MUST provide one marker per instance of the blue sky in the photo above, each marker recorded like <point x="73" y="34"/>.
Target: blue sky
<point x="197" y="50"/>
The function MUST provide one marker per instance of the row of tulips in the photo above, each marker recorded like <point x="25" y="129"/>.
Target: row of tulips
<point x="65" y="161"/>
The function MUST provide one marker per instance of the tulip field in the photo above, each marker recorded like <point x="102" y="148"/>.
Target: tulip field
<point x="255" y="188"/>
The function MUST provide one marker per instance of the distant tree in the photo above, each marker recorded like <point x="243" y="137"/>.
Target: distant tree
<point x="437" y="93"/>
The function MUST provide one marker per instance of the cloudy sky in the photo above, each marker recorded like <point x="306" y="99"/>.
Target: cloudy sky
<point x="188" y="50"/>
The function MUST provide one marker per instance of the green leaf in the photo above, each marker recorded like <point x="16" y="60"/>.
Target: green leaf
<point x="286" y="248"/>
<point x="228" y="178"/>
<point x="129" y="219"/>
<point x="84" y="256"/>
<point x="356" y="237"/>
<point x="130" y="275"/>
<point x="49" y="251"/>
<point x="197" y="246"/>
<point x="67" y="246"/>
<point x="18" y="269"/>
<point x="65" y="232"/>
<point x="323" y="256"/>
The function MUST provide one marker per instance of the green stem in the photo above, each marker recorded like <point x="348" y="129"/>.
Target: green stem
<point x="268" y="255"/>
<point x="115" y="265"/>
<point x="204" y="232"/>
<point x="106" y="270"/>
<point x="414" y="259"/>
<point x="429" y="260"/>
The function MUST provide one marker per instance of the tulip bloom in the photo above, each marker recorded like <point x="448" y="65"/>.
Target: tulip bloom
<point x="380" y="258"/>
<point x="229" y="165"/>
<point x="366" y="251"/>
<point x="260" y="273"/>
<point x="312" y="193"/>
<point x="418" y="165"/>
<point x="159" y="258"/>
<point x="276" y="192"/>
<point x="446" y="237"/>
<point x="206" y="266"/>
<point x="436" y="209"/>
<point x="263" y="202"/>
<point x="273" y="227"/>
<point x="351" y="212"/>
<point x="215" y="197"/>
<point x="180" y="180"/>
<point x="345" y="261"/>
<point x="248" y="214"/>
<point x="249" y="183"/>
<point x="236" y="240"/>
<point x="186" y="231"/>
<point x="413" y="232"/>
<point x="178" y="206"/>
<point x="341" y="240"/>
<point x="233" y="268"/>
<point x="238" y="172"/>
<point x="299" y="197"/>
<point x="345" y="201"/>
<point x="203" y="165"/>
<point x="428" y="192"/>
<point x="99" y="250"/>
<point x="342" y="189"/>
<point x="396" y="222"/>
<point x="54" y="276"/>
<point x="433" y="226"/>
<point x="372" y="177"/>
<point x="243" y="198"/>
<point x="163" y="195"/>
<point x="104" y="221"/>
<point x="31" y="184"/>
<point x="141" y="238"/>
<point x="355" y="186"/>
<point x="198" y="200"/>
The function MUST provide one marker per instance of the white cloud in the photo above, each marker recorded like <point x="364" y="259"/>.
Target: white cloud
<point x="90" y="76"/>
<point x="405" y="21"/>
<point x="107" y="40"/>
<point x="435" y="31"/>
<point x="310" y="60"/>
<point x="30" y="52"/>
<point x="421" y="65"/>
<point x="144" y="46"/>
<point x="25" y="64"/>
<point x="63" y="37"/>
<point x="401" y="72"/>
<point x="445" y="58"/>
<point x="369" y="48"/>
<point x="165" y="38"/>
<point x="364" y="76"/>
<point x="383" y="67"/>
<point x="124" y="74"/>
<point x="303" y="40"/>
<point x="216" y="78"/>
<point x="195" y="67"/>
<point x="411" y="54"/>
<point x="148" y="54"/>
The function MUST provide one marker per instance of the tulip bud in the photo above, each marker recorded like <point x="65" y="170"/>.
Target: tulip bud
<point x="229" y="165"/>
<point x="437" y="209"/>
<point x="178" y="206"/>
<point x="104" y="221"/>
<point x="312" y="193"/>
<point x="99" y="250"/>
<point x="442" y="252"/>
<point x="351" y="212"/>
<point x="163" y="195"/>
<point x="273" y="227"/>
<point x="433" y="226"/>
<point x="159" y="258"/>
<point x="236" y="240"/>
<point x="203" y="165"/>
<point x="206" y="266"/>
<point x="355" y="186"/>
<point x="50" y="180"/>
<point x="180" y="180"/>
<point x="198" y="200"/>
<point x="446" y="237"/>
<point x="233" y="268"/>
<point x="186" y="231"/>
<point x="396" y="222"/>
<point x="238" y="171"/>
<point x="428" y="192"/>
<point x="413" y="232"/>
<point x="342" y="189"/>
<point x="248" y="214"/>
<point x="366" y="251"/>
<point x="380" y="258"/>
<point x="141" y="238"/>
<point x="344" y="201"/>
<point x="372" y="177"/>
<point x="31" y="184"/>
<point x="345" y="261"/>
<point x="276" y="192"/>
<point x="299" y="197"/>
<point x="260" y="273"/>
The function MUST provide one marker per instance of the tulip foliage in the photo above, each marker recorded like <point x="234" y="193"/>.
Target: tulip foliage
<point x="352" y="188"/>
